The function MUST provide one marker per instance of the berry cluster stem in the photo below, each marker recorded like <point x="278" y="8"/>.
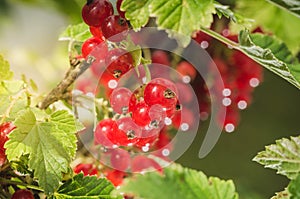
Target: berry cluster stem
<point x="61" y="90"/>
<point x="222" y="39"/>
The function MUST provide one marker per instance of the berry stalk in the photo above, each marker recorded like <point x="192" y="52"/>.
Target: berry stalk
<point x="61" y="90"/>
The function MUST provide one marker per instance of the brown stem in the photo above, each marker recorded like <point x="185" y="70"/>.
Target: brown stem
<point x="60" y="91"/>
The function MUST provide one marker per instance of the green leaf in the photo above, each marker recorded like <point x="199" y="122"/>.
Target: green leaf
<point x="270" y="53"/>
<point x="179" y="182"/>
<point x="5" y="72"/>
<point x="79" y="33"/>
<point x="50" y="142"/>
<point x="291" y="5"/>
<point x="294" y="188"/>
<point x="69" y="126"/>
<point x="282" y="195"/>
<point x="285" y="27"/>
<point x="284" y="156"/>
<point x="280" y="51"/>
<point x="12" y="98"/>
<point x="223" y="10"/>
<point x="171" y="15"/>
<point x="137" y="12"/>
<point x="89" y="187"/>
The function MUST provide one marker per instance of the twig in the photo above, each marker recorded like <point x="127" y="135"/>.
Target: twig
<point x="59" y="92"/>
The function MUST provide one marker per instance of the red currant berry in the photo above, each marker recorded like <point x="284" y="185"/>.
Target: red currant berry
<point x="136" y="97"/>
<point x="87" y="169"/>
<point x="105" y="131"/>
<point x="147" y="139"/>
<point x="129" y="131"/>
<point x="120" y="159"/>
<point x="89" y="45"/>
<point x="160" y="57"/>
<point x="115" y="28"/>
<point x="140" y="114"/>
<point x="186" y="70"/>
<point x="118" y="62"/>
<point x="116" y="177"/>
<point x="161" y="91"/>
<point x="121" y="13"/>
<point x="94" y="12"/>
<point x="96" y="32"/>
<point x="22" y="194"/>
<point x="119" y="99"/>
<point x="5" y="129"/>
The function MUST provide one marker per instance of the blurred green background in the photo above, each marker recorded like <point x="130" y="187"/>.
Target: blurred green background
<point x="28" y="39"/>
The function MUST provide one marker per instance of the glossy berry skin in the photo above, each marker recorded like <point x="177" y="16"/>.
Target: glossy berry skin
<point x="96" y="32"/>
<point x="119" y="99"/>
<point x="5" y="129"/>
<point x="140" y="114"/>
<point x="114" y="28"/>
<point x="129" y="132"/>
<point x="22" y="194"/>
<point x="96" y="11"/>
<point x="116" y="177"/>
<point x="161" y="91"/>
<point x="118" y="62"/>
<point x="89" y="45"/>
<point x="86" y="169"/>
<point x="120" y="159"/>
<point x="147" y="138"/>
<point x="105" y="131"/>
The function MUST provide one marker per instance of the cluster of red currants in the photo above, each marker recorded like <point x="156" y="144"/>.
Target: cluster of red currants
<point x="141" y="117"/>
<point x="105" y="26"/>
<point x="240" y="76"/>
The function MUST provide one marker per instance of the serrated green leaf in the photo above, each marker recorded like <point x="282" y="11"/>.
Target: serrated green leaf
<point x="291" y="5"/>
<point x="49" y="141"/>
<point x="5" y="72"/>
<point x="294" y="188"/>
<point x="179" y="182"/>
<point x="280" y="51"/>
<point x="89" y="187"/>
<point x="284" y="156"/>
<point x="278" y="48"/>
<point x="282" y="195"/>
<point x="137" y="12"/>
<point x="269" y="53"/>
<point x="79" y="33"/>
<point x="65" y="122"/>
<point x="171" y="15"/>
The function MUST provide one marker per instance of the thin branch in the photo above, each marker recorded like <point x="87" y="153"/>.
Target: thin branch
<point x="59" y="92"/>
